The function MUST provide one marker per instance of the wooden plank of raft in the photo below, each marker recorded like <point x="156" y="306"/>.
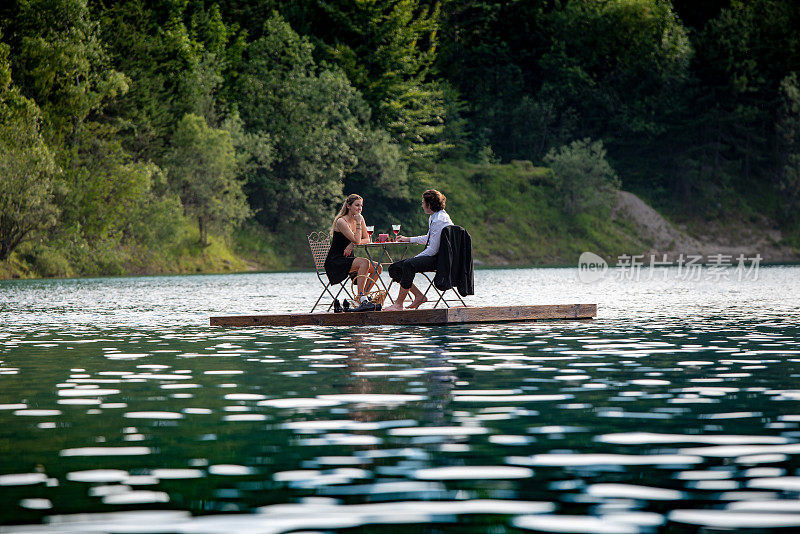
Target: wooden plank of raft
<point x="485" y="314"/>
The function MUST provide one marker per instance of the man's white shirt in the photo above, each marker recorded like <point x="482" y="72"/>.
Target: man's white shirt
<point x="437" y="221"/>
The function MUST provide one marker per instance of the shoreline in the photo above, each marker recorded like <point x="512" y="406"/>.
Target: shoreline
<point x="482" y="267"/>
<point x="632" y="228"/>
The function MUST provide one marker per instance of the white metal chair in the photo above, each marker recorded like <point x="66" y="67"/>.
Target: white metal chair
<point x="319" y="243"/>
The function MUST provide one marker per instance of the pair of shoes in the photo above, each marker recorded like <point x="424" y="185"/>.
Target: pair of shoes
<point x="367" y="306"/>
<point x="337" y="308"/>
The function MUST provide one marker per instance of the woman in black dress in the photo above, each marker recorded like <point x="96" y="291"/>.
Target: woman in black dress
<point x="348" y="230"/>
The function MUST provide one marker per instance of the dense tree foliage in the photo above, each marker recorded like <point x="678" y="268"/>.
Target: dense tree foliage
<point x="314" y="117"/>
<point x="26" y="166"/>
<point x="202" y="170"/>
<point x="124" y="123"/>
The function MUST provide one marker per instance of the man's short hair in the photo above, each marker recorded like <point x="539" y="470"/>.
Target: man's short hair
<point x="435" y="200"/>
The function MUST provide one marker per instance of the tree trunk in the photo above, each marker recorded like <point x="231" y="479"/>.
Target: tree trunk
<point x="10" y="237"/>
<point x="202" y="227"/>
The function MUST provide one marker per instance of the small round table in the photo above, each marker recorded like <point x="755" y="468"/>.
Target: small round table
<point x="385" y="254"/>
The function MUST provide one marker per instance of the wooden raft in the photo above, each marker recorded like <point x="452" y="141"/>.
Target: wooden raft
<point x="437" y="316"/>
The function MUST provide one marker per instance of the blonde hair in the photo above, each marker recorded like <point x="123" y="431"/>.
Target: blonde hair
<point x="345" y="209"/>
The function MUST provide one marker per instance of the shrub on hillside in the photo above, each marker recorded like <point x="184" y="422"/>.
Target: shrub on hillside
<point x="583" y="177"/>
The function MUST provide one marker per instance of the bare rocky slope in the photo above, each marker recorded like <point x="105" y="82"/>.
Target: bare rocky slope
<point x="658" y="236"/>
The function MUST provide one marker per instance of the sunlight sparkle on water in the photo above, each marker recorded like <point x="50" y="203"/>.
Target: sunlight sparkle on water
<point x="675" y="410"/>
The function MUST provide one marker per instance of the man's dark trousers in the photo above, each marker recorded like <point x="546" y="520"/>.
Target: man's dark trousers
<point x="403" y="271"/>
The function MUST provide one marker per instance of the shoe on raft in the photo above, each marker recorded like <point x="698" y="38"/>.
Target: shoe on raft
<point x="366" y="306"/>
<point x="346" y="305"/>
<point x="337" y="308"/>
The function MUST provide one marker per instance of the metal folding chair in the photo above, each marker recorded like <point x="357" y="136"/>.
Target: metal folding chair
<point x="442" y="294"/>
<point x="467" y="252"/>
<point x="319" y="243"/>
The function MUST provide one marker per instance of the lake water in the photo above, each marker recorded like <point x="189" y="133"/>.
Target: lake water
<point x="676" y="410"/>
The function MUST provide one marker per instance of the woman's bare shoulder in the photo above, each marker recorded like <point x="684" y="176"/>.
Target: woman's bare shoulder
<point x="341" y="224"/>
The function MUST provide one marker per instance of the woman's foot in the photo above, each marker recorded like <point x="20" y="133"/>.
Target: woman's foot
<point x="418" y="302"/>
<point x="397" y="306"/>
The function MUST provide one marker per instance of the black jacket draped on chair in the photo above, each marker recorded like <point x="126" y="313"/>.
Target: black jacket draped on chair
<point x="454" y="264"/>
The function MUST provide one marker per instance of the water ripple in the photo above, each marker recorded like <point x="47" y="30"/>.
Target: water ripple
<point x="673" y="411"/>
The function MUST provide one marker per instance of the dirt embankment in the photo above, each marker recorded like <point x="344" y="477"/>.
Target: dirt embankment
<point x="658" y="236"/>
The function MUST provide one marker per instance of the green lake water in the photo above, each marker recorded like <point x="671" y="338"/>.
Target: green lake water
<point x="676" y="410"/>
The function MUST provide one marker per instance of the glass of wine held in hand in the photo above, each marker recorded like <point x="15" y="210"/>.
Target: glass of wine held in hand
<point x="396" y="230"/>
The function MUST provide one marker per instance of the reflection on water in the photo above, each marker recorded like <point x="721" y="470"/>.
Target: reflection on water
<point x="675" y="411"/>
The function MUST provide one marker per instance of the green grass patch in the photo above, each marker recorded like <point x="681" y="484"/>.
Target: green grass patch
<point x="262" y="249"/>
<point x="69" y="255"/>
<point x="515" y="217"/>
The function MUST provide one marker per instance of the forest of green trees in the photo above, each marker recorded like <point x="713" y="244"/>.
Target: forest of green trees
<point x="197" y="135"/>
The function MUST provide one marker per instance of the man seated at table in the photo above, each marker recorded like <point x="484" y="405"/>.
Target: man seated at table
<point x="403" y="271"/>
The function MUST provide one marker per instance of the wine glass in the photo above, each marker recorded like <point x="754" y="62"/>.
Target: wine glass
<point x="396" y="230"/>
<point x="370" y="229"/>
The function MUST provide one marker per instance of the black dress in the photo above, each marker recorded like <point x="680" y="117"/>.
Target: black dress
<point x="337" y="265"/>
